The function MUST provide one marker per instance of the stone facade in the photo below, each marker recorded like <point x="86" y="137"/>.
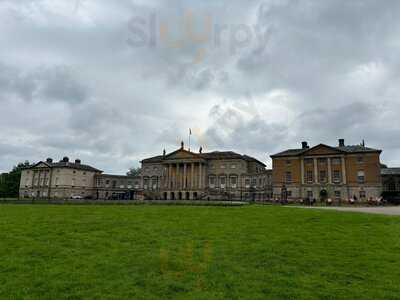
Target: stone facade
<point x="391" y="183"/>
<point x="323" y="172"/>
<point x="185" y="175"/>
<point x="63" y="179"/>
<point x="116" y="187"/>
<point x="180" y="175"/>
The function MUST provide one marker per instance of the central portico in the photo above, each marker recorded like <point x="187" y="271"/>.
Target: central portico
<point x="184" y="175"/>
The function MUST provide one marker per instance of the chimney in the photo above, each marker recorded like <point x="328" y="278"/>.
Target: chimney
<point x="182" y="145"/>
<point x="201" y="150"/>
<point x="341" y="143"/>
<point x="164" y="153"/>
<point x="49" y="160"/>
<point x="78" y="161"/>
<point x="65" y="159"/>
<point x="304" y="145"/>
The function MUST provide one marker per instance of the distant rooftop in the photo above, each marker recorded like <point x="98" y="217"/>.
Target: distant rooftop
<point x="209" y="155"/>
<point x="65" y="163"/>
<point x="390" y="171"/>
<point x="342" y="147"/>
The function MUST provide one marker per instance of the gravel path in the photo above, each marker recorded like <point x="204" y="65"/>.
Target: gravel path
<point x="386" y="210"/>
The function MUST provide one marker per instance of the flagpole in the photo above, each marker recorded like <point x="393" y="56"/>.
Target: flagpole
<point x="190" y="133"/>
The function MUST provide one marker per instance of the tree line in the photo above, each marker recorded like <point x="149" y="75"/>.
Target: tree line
<point x="9" y="182"/>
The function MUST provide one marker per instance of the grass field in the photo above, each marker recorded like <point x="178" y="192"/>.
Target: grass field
<point x="170" y="252"/>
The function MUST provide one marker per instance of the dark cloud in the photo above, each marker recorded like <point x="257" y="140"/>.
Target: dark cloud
<point x="58" y="83"/>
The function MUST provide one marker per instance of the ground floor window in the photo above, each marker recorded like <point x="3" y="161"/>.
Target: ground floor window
<point x="338" y="194"/>
<point x="310" y="194"/>
<point x="363" y="194"/>
<point x="233" y="182"/>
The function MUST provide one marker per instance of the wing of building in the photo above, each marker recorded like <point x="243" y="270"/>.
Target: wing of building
<point x="321" y="172"/>
<point x="63" y="179"/>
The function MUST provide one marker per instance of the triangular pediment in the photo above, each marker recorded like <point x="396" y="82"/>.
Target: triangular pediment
<point x="322" y="149"/>
<point x="181" y="154"/>
<point x="41" y="165"/>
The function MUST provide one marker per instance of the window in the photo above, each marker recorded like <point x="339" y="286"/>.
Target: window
<point x="154" y="183"/>
<point x="114" y="184"/>
<point x="211" y="181"/>
<point x="363" y="195"/>
<point x="288" y="177"/>
<point x="247" y="182"/>
<point x="222" y="166"/>
<point x="223" y="182"/>
<point x="145" y="183"/>
<point x="337" y="176"/>
<point x="322" y="161"/>
<point x="336" y="161"/>
<point x="309" y="176"/>
<point x="233" y="166"/>
<point x="73" y="182"/>
<point x="322" y="176"/>
<point x="338" y="194"/>
<point x="392" y="186"/>
<point x="107" y="182"/>
<point x="155" y="169"/>
<point x="360" y="159"/>
<point x="289" y="193"/>
<point x="254" y="182"/>
<point x="233" y="182"/>
<point x="288" y="162"/>
<point x="310" y="195"/>
<point x="360" y="176"/>
<point x="84" y="173"/>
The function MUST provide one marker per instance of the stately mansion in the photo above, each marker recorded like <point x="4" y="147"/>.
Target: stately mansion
<point x="180" y="175"/>
<point x="320" y="172"/>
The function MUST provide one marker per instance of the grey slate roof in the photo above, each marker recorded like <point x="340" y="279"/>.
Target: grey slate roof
<point x="346" y="149"/>
<point x="70" y="165"/>
<point x="390" y="171"/>
<point x="209" y="155"/>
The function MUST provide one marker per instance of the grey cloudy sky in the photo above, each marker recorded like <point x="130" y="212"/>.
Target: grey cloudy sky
<point x="112" y="82"/>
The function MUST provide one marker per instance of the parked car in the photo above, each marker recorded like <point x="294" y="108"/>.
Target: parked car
<point x="76" y="197"/>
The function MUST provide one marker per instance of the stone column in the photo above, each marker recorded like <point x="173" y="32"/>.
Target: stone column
<point x="302" y="171"/>
<point x="200" y="174"/>
<point x="192" y="176"/>
<point x="184" y="176"/>
<point x="329" y="171"/>
<point x="169" y="177"/>
<point x="316" y="170"/>
<point x="177" y="177"/>
<point x="344" y="177"/>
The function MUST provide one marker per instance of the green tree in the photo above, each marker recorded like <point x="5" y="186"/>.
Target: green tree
<point x="9" y="182"/>
<point x="134" y="172"/>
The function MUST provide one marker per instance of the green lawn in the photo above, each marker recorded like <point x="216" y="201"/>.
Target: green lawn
<point x="183" y="252"/>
